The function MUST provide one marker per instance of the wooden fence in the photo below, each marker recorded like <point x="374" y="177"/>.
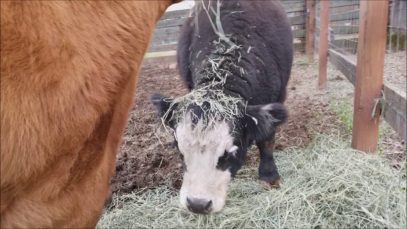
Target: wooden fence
<point x="167" y="31"/>
<point x="168" y="28"/>
<point x="344" y="26"/>
<point x="395" y="100"/>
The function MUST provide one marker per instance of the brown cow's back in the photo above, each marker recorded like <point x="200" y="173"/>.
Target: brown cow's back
<point x="68" y="73"/>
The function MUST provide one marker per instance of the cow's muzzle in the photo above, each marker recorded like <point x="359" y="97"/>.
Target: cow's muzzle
<point x="200" y="206"/>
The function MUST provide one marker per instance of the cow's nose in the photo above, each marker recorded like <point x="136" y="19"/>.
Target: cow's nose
<point x="200" y="206"/>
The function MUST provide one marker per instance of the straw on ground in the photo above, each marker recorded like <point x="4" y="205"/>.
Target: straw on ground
<point x="328" y="185"/>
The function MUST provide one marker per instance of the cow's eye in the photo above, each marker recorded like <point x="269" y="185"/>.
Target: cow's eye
<point x="223" y="162"/>
<point x="174" y="144"/>
<point x="183" y="165"/>
<point x="225" y="154"/>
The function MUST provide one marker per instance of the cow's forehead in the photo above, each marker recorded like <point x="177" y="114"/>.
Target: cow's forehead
<point x="201" y="136"/>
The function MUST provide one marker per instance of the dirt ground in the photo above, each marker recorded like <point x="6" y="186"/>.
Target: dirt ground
<point x="395" y="70"/>
<point x="147" y="158"/>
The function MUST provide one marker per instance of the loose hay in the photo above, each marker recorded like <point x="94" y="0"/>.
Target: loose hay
<point x="211" y="76"/>
<point x="326" y="186"/>
<point x="215" y="104"/>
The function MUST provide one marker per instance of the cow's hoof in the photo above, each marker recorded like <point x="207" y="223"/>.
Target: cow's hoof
<point x="276" y="184"/>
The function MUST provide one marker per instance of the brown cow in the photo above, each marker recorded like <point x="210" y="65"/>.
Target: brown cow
<point x="68" y="75"/>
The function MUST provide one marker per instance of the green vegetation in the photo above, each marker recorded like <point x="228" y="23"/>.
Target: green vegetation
<point x="344" y="111"/>
<point x="399" y="38"/>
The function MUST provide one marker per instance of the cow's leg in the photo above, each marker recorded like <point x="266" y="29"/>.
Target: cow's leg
<point x="267" y="169"/>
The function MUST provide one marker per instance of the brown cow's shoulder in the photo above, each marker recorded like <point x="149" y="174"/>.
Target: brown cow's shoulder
<point x="68" y="74"/>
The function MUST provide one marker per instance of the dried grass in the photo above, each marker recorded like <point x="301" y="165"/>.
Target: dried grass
<point x="211" y="75"/>
<point x="328" y="185"/>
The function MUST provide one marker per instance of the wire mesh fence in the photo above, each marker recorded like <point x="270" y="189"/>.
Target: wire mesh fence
<point x="343" y="50"/>
<point x="397" y="26"/>
<point x="344" y="26"/>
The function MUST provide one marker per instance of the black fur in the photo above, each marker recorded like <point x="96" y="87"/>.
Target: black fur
<point x="267" y="168"/>
<point x="262" y="30"/>
<point x="163" y="105"/>
<point x="261" y="124"/>
<point x="232" y="162"/>
<point x="261" y="25"/>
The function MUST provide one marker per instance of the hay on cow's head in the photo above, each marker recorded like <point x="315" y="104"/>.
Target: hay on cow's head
<point x="211" y="75"/>
<point x="215" y="104"/>
<point x="210" y="94"/>
<point x="328" y="185"/>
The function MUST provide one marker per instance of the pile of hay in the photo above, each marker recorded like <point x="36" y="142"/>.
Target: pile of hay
<point x="327" y="185"/>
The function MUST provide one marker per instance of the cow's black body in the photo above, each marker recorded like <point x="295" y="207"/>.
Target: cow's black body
<point x="262" y="30"/>
<point x="256" y="73"/>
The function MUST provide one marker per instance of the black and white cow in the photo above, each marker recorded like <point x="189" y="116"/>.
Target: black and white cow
<point x="230" y="49"/>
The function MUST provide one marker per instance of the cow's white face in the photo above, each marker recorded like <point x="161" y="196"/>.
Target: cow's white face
<point x="210" y="157"/>
<point x="204" y="185"/>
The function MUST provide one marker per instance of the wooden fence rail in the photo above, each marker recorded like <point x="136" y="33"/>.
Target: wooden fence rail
<point x="395" y="100"/>
<point x="343" y="46"/>
<point x="166" y="34"/>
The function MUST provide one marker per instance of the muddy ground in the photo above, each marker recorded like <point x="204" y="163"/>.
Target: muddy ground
<point x="147" y="158"/>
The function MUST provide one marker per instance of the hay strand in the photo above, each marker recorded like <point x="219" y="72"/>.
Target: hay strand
<point x="326" y="186"/>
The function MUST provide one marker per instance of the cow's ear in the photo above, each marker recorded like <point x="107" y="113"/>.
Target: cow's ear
<point x="164" y="108"/>
<point x="262" y="120"/>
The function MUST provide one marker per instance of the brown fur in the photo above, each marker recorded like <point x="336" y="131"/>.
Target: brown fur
<point x="68" y="75"/>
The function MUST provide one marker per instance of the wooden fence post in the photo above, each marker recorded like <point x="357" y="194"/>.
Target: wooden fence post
<point x="369" y="73"/>
<point x="310" y="26"/>
<point x="323" y="44"/>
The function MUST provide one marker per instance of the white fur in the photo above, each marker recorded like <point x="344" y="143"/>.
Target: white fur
<point x="233" y="149"/>
<point x="270" y="107"/>
<point x="267" y="107"/>
<point x="202" y="148"/>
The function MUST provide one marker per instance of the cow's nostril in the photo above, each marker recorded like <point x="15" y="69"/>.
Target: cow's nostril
<point x="208" y="205"/>
<point x="200" y="206"/>
<point x="189" y="201"/>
